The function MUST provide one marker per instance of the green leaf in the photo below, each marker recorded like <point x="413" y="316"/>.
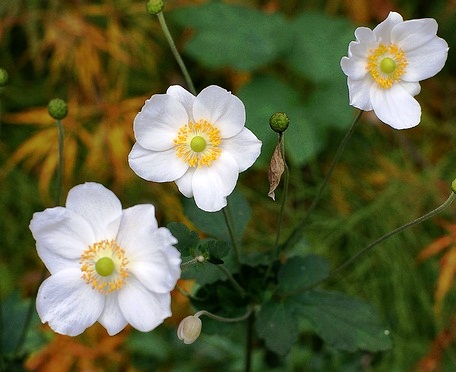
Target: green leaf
<point x="217" y="250"/>
<point x="230" y="35"/>
<point x="345" y="322"/>
<point x="266" y="95"/>
<point x="187" y="240"/>
<point x="301" y="272"/>
<point x="275" y="323"/>
<point x="319" y="44"/>
<point x="214" y="223"/>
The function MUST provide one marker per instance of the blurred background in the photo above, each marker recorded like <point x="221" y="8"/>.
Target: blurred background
<point x="106" y="57"/>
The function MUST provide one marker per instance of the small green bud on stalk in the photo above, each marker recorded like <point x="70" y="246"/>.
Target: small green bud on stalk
<point x="279" y="122"/>
<point x="57" y="108"/>
<point x="453" y="186"/>
<point x="4" y="77"/>
<point x="154" y="6"/>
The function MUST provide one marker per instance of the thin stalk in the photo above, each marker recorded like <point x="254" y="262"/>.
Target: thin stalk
<point x="233" y="281"/>
<point x="59" y="187"/>
<point x="172" y="45"/>
<point x="223" y="319"/>
<point x="229" y="225"/>
<point x="297" y="231"/>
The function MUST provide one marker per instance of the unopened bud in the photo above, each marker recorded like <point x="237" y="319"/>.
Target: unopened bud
<point x="154" y="6"/>
<point x="57" y="108"/>
<point x="279" y="122"/>
<point x="453" y="186"/>
<point x="189" y="329"/>
<point x="3" y="77"/>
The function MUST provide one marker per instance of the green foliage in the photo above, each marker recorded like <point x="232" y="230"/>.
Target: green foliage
<point x="187" y="240"/>
<point x="345" y="322"/>
<point x="299" y="273"/>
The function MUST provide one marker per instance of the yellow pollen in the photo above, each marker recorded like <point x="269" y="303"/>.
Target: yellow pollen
<point x="102" y="250"/>
<point x="189" y="143"/>
<point x="386" y="65"/>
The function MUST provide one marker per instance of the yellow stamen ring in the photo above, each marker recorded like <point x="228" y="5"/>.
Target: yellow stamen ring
<point x="198" y="143"/>
<point x="386" y="65"/>
<point x="104" y="266"/>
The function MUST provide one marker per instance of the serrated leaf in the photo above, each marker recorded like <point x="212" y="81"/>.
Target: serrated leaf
<point x="276" y="325"/>
<point x="187" y="240"/>
<point x="230" y="35"/>
<point x="301" y="272"/>
<point x="214" y="223"/>
<point x="345" y="322"/>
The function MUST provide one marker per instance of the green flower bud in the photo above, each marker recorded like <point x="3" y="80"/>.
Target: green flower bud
<point x="453" y="186"/>
<point x="57" y="108"/>
<point x="154" y="6"/>
<point x="279" y="122"/>
<point x="3" y="77"/>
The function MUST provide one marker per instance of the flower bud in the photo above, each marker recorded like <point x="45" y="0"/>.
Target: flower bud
<point x="279" y="122"/>
<point x="189" y="329"/>
<point x="154" y="6"/>
<point x="3" y="77"/>
<point x="453" y="186"/>
<point x="57" y="108"/>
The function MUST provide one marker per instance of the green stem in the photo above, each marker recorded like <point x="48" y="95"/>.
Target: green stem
<point x="233" y="281"/>
<point x="296" y="234"/>
<point x="60" y="165"/>
<point x="394" y="232"/>
<point x="229" y="225"/>
<point x="249" y="343"/>
<point x="223" y="319"/>
<point x="172" y="45"/>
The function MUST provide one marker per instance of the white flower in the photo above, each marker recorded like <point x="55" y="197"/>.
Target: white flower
<point x="198" y="142"/>
<point x="108" y="265"/>
<point x="384" y="67"/>
<point x="189" y="329"/>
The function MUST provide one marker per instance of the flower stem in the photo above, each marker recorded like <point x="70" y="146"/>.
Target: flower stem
<point x="229" y="225"/>
<point x="297" y="233"/>
<point x="394" y="232"/>
<point x="223" y="319"/>
<point x="233" y="281"/>
<point x="172" y="45"/>
<point x="60" y="165"/>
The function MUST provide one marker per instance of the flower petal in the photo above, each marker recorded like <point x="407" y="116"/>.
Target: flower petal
<point x="220" y="108"/>
<point x="99" y="206"/>
<point x="185" y="183"/>
<point x="365" y="40"/>
<point x="413" y="88"/>
<point x="354" y="67"/>
<point x="67" y="303"/>
<point x="211" y="185"/>
<point x="144" y="310"/>
<point x="245" y="148"/>
<point x="426" y="61"/>
<point x="112" y="318"/>
<point x="414" y="33"/>
<point x="61" y="236"/>
<point x="156" y="263"/>
<point x="184" y="97"/>
<point x="157" y="125"/>
<point x="157" y="166"/>
<point x="396" y="107"/>
<point x="383" y="30"/>
<point x="359" y="92"/>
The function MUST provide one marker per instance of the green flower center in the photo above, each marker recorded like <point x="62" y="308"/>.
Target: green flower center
<point x="198" y="144"/>
<point x="105" y="266"/>
<point x="387" y="65"/>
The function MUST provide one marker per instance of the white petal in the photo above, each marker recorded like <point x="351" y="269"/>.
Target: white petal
<point x="158" y="123"/>
<point x="414" y="33"/>
<point x="61" y="236"/>
<point x="99" y="206"/>
<point x="426" y="61"/>
<point x="354" y="67"/>
<point x="184" y="97"/>
<point x="112" y="318"/>
<point x="157" y="166"/>
<point x="221" y="108"/>
<point x="185" y="183"/>
<point x="359" y="92"/>
<point x="143" y="309"/>
<point x="211" y="185"/>
<point x="365" y="41"/>
<point x="136" y="220"/>
<point x="383" y="29"/>
<point x="67" y="303"/>
<point x="396" y="107"/>
<point x="156" y="263"/>
<point x="412" y="88"/>
<point x="245" y="148"/>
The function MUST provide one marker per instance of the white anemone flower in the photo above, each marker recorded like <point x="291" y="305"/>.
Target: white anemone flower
<point x="384" y="67"/>
<point x="108" y="265"/>
<point x="198" y="142"/>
